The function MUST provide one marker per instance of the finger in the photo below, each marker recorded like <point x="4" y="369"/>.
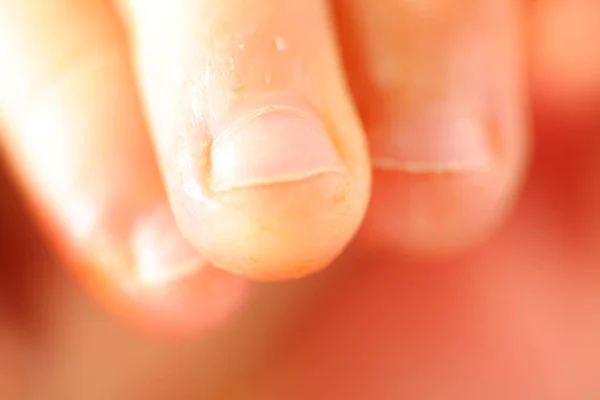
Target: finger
<point x="78" y="141"/>
<point x="260" y="147"/>
<point x="564" y="55"/>
<point x="439" y="88"/>
<point x="563" y="71"/>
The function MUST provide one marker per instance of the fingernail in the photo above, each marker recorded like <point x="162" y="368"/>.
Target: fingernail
<point x="161" y="253"/>
<point x="272" y="144"/>
<point x="434" y="138"/>
<point x="434" y="106"/>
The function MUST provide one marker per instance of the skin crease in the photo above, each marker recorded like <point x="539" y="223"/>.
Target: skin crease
<point x="515" y="319"/>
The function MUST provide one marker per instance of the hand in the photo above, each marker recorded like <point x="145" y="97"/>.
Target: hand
<point x="259" y="117"/>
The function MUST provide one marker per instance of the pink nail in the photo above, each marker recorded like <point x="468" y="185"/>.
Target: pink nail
<point x="437" y="138"/>
<point x="272" y="144"/>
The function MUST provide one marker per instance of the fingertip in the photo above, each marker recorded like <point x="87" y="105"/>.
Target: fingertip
<point x="275" y="198"/>
<point x="435" y="214"/>
<point x="150" y="276"/>
<point x="280" y="232"/>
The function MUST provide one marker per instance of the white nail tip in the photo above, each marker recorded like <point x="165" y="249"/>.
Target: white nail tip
<point x="217" y="186"/>
<point x="430" y="168"/>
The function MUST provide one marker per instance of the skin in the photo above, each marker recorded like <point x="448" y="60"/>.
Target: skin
<point x="443" y="216"/>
